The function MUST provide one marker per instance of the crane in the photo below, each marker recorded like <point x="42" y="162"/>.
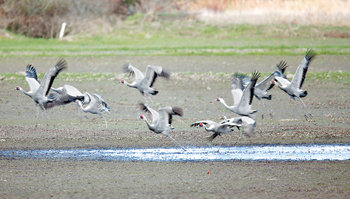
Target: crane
<point x="94" y="105"/>
<point x="161" y="119"/>
<point x="261" y="88"/>
<point x="242" y="97"/>
<point x="216" y="128"/>
<point x="245" y="124"/>
<point x="293" y="88"/>
<point x="39" y="91"/>
<point x="142" y="82"/>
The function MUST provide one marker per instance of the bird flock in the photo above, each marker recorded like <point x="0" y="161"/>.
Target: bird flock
<point x="243" y="90"/>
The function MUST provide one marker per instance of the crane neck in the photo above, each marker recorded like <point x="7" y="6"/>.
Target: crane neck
<point x="128" y="84"/>
<point x="26" y="93"/>
<point x="224" y="103"/>
<point x="81" y="106"/>
<point x="150" y="126"/>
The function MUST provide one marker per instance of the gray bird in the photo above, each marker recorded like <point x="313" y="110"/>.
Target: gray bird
<point x="65" y="95"/>
<point x="245" y="124"/>
<point x="142" y="82"/>
<point x="39" y="91"/>
<point x="293" y="88"/>
<point x="161" y="119"/>
<point x="242" y="97"/>
<point x="94" y="105"/>
<point x="216" y="128"/>
<point x="261" y="88"/>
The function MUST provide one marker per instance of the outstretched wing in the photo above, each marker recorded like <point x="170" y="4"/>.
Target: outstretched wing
<point x="227" y="125"/>
<point x="154" y="114"/>
<point x="166" y="114"/>
<point x="299" y="76"/>
<point x="248" y="92"/>
<point x="237" y="88"/>
<point x="51" y="75"/>
<point x="128" y="68"/>
<point x="267" y="83"/>
<point x="104" y="104"/>
<point x="205" y="122"/>
<point x="281" y="67"/>
<point x="72" y="91"/>
<point x="152" y="72"/>
<point x="32" y="78"/>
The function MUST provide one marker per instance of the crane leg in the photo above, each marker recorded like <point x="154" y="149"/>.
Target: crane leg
<point x="166" y="134"/>
<point x="306" y="115"/>
<point x="263" y="110"/>
<point x="222" y="140"/>
<point x="45" y="114"/>
<point x="37" y="111"/>
<point x="37" y="114"/>
<point x="104" y="119"/>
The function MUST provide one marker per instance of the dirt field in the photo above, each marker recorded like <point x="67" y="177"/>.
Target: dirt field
<point x="66" y="127"/>
<point x="96" y="179"/>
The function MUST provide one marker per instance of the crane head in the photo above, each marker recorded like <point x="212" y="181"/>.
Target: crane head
<point x="141" y="116"/>
<point x="218" y="99"/>
<point x="122" y="81"/>
<point x="17" y="88"/>
<point x="201" y="124"/>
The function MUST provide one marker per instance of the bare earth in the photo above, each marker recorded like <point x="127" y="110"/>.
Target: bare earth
<point x="66" y="127"/>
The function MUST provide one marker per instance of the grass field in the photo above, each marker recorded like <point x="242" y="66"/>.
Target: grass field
<point x="187" y="38"/>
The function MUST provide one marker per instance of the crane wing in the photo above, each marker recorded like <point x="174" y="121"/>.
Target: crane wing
<point x="51" y="75"/>
<point x="128" y="68"/>
<point x="154" y="114"/>
<point x="267" y="83"/>
<point x="282" y="81"/>
<point x="166" y="114"/>
<point x="299" y="76"/>
<point x="205" y="122"/>
<point x="103" y="103"/>
<point x="281" y="67"/>
<point x="72" y="91"/>
<point x="228" y="126"/>
<point x="248" y="92"/>
<point x="237" y="88"/>
<point x="32" y="78"/>
<point x="92" y="100"/>
<point x="152" y="72"/>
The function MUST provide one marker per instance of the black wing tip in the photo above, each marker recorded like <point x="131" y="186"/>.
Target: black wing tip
<point x="154" y="92"/>
<point x="142" y="106"/>
<point x="269" y="97"/>
<point x="194" y="124"/>
<point x="107" y="107"/>
<point x="30" y="67"/>
<point x="125" y="68"/>
<point x="165" y="74"/>
<point x="282" y="65"/>
<point x="310" y="54"/>
<point x="178" y="111"/>
<point x="31" y="72"/>
<point x="61" y="64"/>
<point x="255" y="75"/>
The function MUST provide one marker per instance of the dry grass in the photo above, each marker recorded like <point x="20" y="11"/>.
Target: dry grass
<point x="305" y="12"/>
